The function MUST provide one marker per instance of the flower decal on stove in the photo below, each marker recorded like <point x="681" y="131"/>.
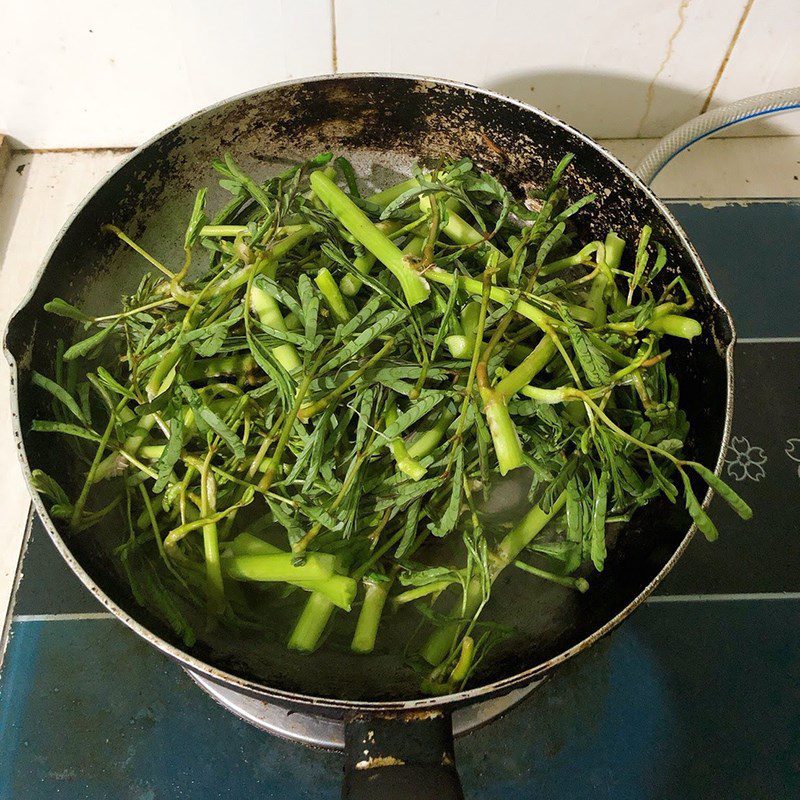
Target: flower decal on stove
<point x="793" y="451"/>
<point x="745" y="462"/>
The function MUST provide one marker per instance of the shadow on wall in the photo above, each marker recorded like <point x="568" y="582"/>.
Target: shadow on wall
<point x="606" y="106"/>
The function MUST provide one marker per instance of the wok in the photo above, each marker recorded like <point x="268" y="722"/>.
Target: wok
<point x="398" y="743"/>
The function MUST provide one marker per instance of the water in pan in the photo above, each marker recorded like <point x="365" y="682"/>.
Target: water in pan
<point x="151" y="197"/>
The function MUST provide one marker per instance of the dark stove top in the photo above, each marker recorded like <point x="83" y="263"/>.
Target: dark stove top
<point x="696" y="696"/>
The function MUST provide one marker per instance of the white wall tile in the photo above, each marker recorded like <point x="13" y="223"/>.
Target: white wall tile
<point x="100" y="73"/>
<point x="621" y="69"/>
<point x="766" y="56"/>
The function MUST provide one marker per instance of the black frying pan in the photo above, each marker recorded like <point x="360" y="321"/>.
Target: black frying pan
<point x="399" y="744"/>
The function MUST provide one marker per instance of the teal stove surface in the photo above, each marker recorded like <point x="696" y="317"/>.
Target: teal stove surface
<point x="696" y="696"/>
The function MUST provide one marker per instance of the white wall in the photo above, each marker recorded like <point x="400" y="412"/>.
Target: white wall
<point x="111" y="73"/>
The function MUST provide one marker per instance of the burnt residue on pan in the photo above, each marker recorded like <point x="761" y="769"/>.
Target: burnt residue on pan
<point x="382" y="124"/>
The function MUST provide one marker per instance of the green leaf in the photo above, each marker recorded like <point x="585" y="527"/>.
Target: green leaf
<point x="416" y="412"/>
<point x="364" y="413"/>
<point x="645" y="314"/>
<point x="576" y="206"/>
<point x="385" y="322"/>
<point x="112" y="384"/>
<point x="591" y="360"/>
<point x="666" y="486"/>
<point x="641" y="256"/>
<point x="64" y="309"/>
<point x="423" y="577"/>
<point x="49" y="426"/>
<point x="549" y="243"/>
<point x="197" y="220"/>
<point x="317" y="449"/>
<point x="249" y="185"/>
<point x="701" y="519"/>
<point x="660" y="262"/>
<point x="273" y="368"/>
<point x="598" y="547"/>
<point x="453" y="509"/>
<point x="723" y="490"/>
<point x="574" y="512"/>
<point x="346" y="168"/>
<point x="60" y="393"/>
<point x="345" y="330"/>
<point x="409" y="528"/>
<point x="444" y="325"/>
<point x="170" y="454"/>
<point x="559" y="484"/>
<point x="85" y="346"/>
<point x="50" y="488"/>
<point x="309" y="300"/>
<point x="204" y="415"/>
<point x="402" y="200"/>
<point x="557" y="173"/>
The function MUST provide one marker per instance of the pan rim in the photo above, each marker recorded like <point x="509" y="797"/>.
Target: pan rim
<point x="320" y="702"/>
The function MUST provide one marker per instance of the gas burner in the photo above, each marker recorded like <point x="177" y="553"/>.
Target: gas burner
<point x="317" y="731"/>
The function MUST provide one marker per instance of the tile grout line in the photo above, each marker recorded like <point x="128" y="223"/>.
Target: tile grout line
<point x="334" y="43"/>
<point x="723" y="598"/>
<point x="767" y="339"/>
<point x="726" y="58"/>
<point x="25" y="151"/>
<point x="62" y="617"/>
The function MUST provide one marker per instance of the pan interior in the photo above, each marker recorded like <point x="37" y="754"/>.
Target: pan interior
<point x="383" y="125"/>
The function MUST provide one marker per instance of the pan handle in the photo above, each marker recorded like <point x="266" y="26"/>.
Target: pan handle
<point x="400" y="756"/>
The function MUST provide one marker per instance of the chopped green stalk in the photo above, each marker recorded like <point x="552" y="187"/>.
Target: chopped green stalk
<point x="273" y="465"/>
<point x="460" y="346"/>
<point x="425" y="443"/>
<point x="676" y="325"/>
<point x="339" y="589"/>
<point x="221" y="231"/>
<point x="351" y="284"/>
<point x="383" y="198"/>
<point x="375" y="593"/>
<point x="417" y="592"/>
<point x="463" y="665"/>
<point x="582" y="257"/>
<point x="218" y="366"/>
<point x="474" y="287"/>
<point x="110" y="466"/>
<point x="534" y="363"/>
<point x="597" y="301"/>
<point x="613" y="250"/>
<point x="333" y="297"/>
<point x="563" y="394"/>
<point x="269" y="313"/>
<point x="405" y="462"/>
<point x="507" y="446"/>
<point x="580" y="584"/>
<point x="267" y="264"/>
<point x="311" y="624"/>
<point x="151" y="451"/>
<point x="281" y="567"/>
<point x="415" y="287"/>
<point x="440" y="642"/>
<point x="216" y="588"/>
<point x="458" y="230"/>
